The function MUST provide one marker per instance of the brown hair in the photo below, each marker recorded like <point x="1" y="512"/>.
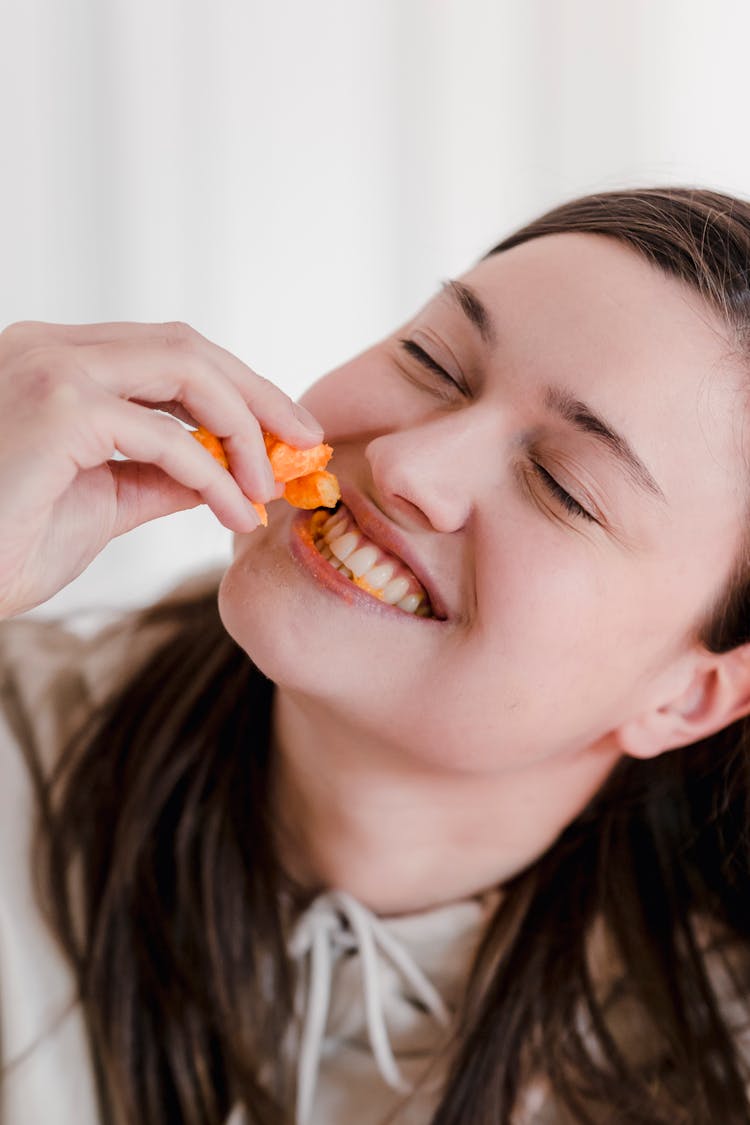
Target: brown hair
<point x="157" y="834"/>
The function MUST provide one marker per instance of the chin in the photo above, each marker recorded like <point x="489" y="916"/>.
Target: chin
<point x="300" y="649"/>
<point x="339" y="655"/>
<point x="260" y="612"/>
<point x="271" y="616"/>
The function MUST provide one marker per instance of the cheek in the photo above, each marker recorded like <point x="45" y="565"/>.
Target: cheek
<point x="365" y="396"/>
<point x="570" y="623"/>
<point x="344" y="400"/>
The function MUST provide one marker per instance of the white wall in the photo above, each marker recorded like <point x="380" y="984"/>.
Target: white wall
<point x="293" y="178"/>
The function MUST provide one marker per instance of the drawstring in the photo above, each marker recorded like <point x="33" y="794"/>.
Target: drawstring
<point x="321" y="932"/>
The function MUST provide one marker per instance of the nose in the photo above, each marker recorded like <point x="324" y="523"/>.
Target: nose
<point x="427" y="477"/>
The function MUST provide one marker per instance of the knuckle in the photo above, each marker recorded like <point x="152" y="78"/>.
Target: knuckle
<point x="49" y="376"/>
<point x="179" y="335"/>
<point x="15" y="336"/>
<point x="265" y="384"/>
<point x="50" y="360"/>
<point x="18" y="329"/>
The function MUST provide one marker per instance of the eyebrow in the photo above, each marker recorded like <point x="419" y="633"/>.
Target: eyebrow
<point x="559" y="400"/>
<point x="583" y="418"/>
<point x="469" y="303"/>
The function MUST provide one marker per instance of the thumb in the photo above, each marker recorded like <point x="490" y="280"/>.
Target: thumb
<point x="145" y="492"/>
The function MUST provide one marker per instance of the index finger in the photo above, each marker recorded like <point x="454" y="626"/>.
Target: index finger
<point x="275" y="410"/>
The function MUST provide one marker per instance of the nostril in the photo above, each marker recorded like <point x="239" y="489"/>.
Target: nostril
<point x="415" y="482"/>
<point x="411" y="515"/>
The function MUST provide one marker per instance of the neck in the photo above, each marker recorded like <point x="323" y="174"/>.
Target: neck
<point x="400" y="836"/>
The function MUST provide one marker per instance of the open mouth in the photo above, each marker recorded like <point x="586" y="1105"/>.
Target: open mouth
<point x="339" y="540"/>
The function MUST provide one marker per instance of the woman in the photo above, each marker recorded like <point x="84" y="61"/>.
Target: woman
<point x="478" y="857"/>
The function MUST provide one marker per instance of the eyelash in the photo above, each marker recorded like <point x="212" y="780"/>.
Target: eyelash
<point x="560" y="494"/>
<point x="563" y="497"/>
<point x="431" y="364"/>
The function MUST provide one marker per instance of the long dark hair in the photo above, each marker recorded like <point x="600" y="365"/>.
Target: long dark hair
<point x="159" y="871"/>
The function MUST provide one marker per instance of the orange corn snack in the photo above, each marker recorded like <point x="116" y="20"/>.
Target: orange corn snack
<point x="289" y="463"/>
<point x="301" y="470"/>
<point x="213" y="444"/>
<point x="262" y="513"/>
<point x="210" y="442"/>
<point x="314" y="490"/>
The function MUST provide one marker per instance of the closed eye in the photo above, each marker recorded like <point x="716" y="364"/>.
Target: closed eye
<point x="568" y="502"/>
<point x="423" y="357"/>
<point x="564" y="498"/>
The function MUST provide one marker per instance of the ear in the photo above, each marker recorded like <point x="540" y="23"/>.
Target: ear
<point x="717" y="694"/>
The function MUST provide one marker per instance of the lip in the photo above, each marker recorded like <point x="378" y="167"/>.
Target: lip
<point x="384" y="535"/>
<point x="307" y="555"/>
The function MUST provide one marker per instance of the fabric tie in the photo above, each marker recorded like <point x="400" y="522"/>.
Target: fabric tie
<point x="336" y="923"/>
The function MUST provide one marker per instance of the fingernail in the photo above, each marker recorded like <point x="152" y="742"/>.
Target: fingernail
<point x="260" y="511"/>
<point x="307" y="420"/>
<point x="254" y="510"/>
<point x="270" y="478"/>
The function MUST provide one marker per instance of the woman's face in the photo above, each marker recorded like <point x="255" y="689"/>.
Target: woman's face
<point x="556" y="450"/>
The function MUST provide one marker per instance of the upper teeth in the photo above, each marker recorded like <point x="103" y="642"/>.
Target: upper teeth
<point x="341" y="542"/>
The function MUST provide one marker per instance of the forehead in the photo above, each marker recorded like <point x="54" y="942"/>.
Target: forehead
<point x="598" y="290"/>
<point x="588" y="313"/>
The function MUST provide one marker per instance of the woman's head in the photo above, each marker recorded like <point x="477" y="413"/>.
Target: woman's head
<point x="598" y="351"/>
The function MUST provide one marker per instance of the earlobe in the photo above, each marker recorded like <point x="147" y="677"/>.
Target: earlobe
<point x="647" y="735"/>
<point x="717" y="695"/>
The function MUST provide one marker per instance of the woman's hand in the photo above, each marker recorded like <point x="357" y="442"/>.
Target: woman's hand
<point x="72" y="395"/>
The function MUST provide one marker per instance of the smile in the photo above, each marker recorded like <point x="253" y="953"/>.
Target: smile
<point x="337" y="539"/>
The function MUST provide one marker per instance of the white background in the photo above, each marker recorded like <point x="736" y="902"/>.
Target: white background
<point x="295" y="178"/>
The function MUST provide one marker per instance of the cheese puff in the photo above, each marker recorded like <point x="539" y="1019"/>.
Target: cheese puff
<point x="300" y="468"/>
<point x="288" y="463"/>
<point x="210" y="442"/>
<point x="314" y="490"/>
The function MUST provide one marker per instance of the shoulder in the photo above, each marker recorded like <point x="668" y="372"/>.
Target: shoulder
<point x="52" y="679"/>
<point x="52" y="675"/>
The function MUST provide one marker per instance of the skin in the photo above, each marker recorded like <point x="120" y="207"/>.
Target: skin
<point x="418" y="762"/>
<point x="72" y="394"/>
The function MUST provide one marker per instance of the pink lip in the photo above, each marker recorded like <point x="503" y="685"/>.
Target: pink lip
<point x="374" y="528"/>
<point x="307" y="555"/>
